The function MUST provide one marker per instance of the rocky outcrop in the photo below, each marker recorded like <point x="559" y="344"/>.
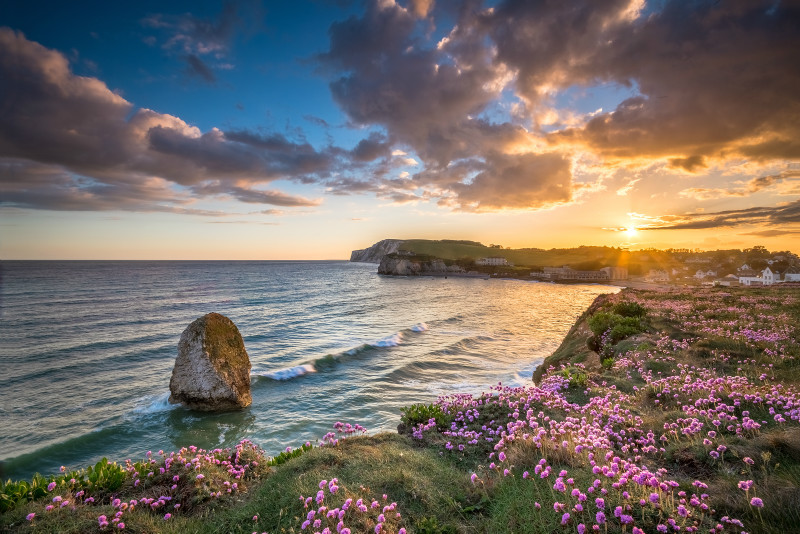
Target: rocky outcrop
<point x="403" y="266"/>
<point x="376" y="252"/>
<point x="212" y="370"/>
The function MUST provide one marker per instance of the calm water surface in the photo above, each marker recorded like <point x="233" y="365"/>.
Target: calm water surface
<point x="87" y="349"/>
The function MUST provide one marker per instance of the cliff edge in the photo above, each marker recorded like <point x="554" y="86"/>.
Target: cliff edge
<point x="376" y="252"/>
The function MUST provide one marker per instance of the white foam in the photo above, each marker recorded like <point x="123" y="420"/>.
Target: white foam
<point x="291" y="372"/>
<point x="154" y="404"/>
<point x="390" y="341"/>
<point x="419" y="327"/>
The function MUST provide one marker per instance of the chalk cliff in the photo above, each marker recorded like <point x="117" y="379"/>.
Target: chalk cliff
<point x="409" y="266"/>
<point x="376" y="252"/>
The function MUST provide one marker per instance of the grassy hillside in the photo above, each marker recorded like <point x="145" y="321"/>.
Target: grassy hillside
<point x="580" y="258"/>
<point x="662" y="411"/>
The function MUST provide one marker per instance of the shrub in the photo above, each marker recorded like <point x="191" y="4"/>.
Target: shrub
<point x="600" y="322"/>
<point x="422" y="413"/>
<point x="629" y="309"/>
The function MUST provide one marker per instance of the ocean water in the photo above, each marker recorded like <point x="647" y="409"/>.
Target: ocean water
<point x="87" y="349"/>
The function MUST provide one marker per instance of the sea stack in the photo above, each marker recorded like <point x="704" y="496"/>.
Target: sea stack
<point x="212" y="370"/>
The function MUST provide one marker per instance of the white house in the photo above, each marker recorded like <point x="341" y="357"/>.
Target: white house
<point x="770" y="277"/>
<point x="792" y="275"/>
<point x="701" y="274"/>
<point x="495" y="260"/>
<point x="727" y="281"/>
<point x="766" y="278"/>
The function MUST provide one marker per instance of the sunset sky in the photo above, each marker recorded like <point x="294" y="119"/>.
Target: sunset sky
<point x="305" y="129"/>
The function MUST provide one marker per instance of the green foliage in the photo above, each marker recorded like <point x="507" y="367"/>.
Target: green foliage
<point x="576" y="377"/>
<point x="614" y="326"/>
<point x="608" y="363"/>
<point x="629" y="309"/>
<point x="422" y="413"/>
<point x="13" y="493"/>
<point x="105" y="476"/>
<point x="287" y="455"/>
<point x="430" y="525"/>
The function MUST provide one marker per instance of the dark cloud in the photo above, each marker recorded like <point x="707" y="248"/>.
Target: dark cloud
<point x="527" y="181"/>
<point x="68" y="142"/>
<point x="373" y="147"/>
<point x="196" y="67"/>
<point x="786" y="214"/>
<point x="716" y="79"/>
<point x="690" y="164"/>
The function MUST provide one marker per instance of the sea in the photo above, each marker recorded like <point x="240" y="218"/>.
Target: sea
<point x="87" y="350"/>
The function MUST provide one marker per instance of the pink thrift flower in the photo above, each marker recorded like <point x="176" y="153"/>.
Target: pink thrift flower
<point x="30" y="517"/>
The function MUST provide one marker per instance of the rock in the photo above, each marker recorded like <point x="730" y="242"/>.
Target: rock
<point x="212" y="370"/>
<point x="397" y="265"/>
<point x="376" y="252"/>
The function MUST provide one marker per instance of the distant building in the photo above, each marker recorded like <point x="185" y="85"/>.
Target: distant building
<point x="792" y="275"/>
<point x="494" y="260"/>
<point x="616" y="273"/>
<point x="727" y="281"/>
<point x="701" y="274"/>
<point x="567" y="273"/>
<point x="657" y="275"/>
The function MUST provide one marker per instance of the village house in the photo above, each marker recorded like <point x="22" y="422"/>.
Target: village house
<point x="792" y="275"/>
<point x="657" y="275"/>
<point x="767" y="277"/>
<point x="568" y="273"/>
<point x="727" y="281"/>
<point x="701" y="274"/>
<point x="494" y="260"/>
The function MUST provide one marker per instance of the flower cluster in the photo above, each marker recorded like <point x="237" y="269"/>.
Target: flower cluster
<point x="333" y="508"/>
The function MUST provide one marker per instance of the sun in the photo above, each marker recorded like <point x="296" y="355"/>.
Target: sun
<point x="630" y="232"/>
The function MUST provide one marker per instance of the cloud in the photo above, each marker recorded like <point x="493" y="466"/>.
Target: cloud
<point x="430" y="98"/>
<point x="196" y="67"/>
<point x="373" y="147"/>
<point x="781" y="215"/>
<point x="711" y="82"/>
<point x="753" y="186"/>
<point x="715" y="79"/>
<point x="520" y="182"/>
<point x="192" y="38"/>
<point x="69" y="142"/>
<point x="690" y="164"/>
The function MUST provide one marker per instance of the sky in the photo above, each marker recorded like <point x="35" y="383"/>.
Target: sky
<point x="306" y="129"/>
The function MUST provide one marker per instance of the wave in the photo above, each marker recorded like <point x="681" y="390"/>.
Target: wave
<point x="289" y="373"/>
<point x="330" y="360"/>
<point x="389" y="341"/>
<point x="154" y="404"/>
